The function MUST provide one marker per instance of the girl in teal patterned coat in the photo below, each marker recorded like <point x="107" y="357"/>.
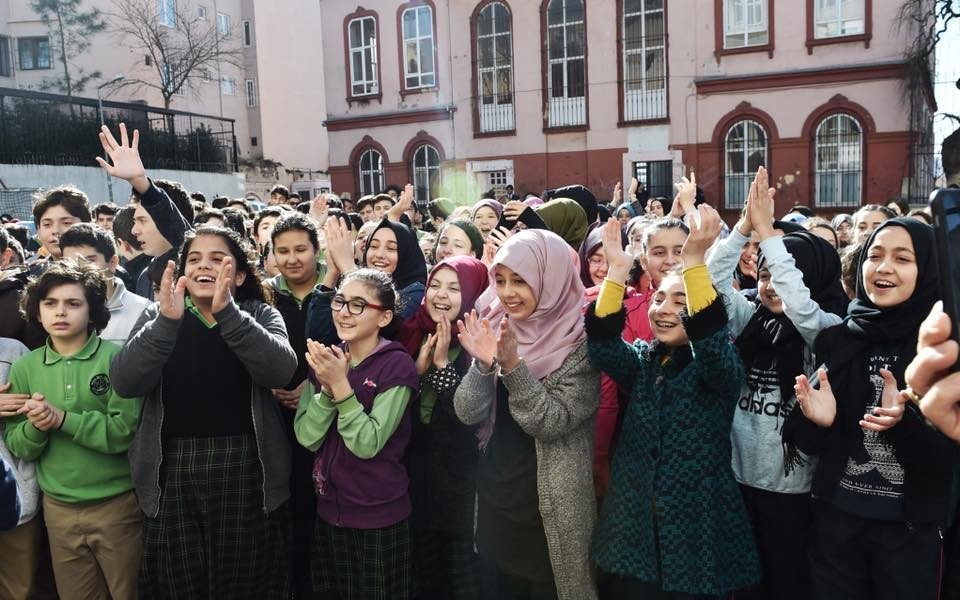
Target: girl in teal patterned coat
<point x="673" y="525"/>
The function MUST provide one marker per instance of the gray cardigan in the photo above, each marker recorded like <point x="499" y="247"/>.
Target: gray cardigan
<point x="258" y="337"/>
<point x="559" y="413"/>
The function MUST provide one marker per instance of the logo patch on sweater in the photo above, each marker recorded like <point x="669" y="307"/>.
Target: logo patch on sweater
<point x="370" y="384"/>
<point x="100" y="384"/>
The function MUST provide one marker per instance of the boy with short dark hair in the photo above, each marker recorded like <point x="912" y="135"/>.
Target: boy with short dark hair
<point x="279" y="194"/>
<point x="94" y="245"/>
<point x="365" y="208"/>
<point x="78" y="430"/>
<point x="132" y="258"/>
<point x="104" y="213"/>
<point x="54" y="212"/>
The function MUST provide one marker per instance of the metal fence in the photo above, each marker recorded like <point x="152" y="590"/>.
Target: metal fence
<point x="17" y="202"/>
<point x="50" y="129"/>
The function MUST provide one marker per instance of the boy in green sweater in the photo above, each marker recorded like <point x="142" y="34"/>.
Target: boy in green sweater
<point x="78" y="430"/>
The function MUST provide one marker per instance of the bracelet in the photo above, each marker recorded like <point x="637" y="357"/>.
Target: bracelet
<point x="913" y="395"/>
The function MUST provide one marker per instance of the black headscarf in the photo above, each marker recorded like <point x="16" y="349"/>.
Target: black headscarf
<point x="580" y="195"/>
<point x="411" y="266"/>
<point x="771" y="341"/>
<point x="846" y="349"/>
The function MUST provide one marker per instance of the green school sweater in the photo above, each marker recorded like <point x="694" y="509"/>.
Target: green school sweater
<point x="86" y="460"/>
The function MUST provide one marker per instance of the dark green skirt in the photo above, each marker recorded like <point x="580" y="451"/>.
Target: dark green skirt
<point x="363" y="564"/>
<point x="211" y="538"/>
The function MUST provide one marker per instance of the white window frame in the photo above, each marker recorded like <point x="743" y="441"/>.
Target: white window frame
<point x="202" y="12"/>
<point x="565" y="110"/>
<point x="167" y="13"/>
<point x="35" y="43"/>
<point x="495" y="115"/>
<point x="223" y="24"/>
<point x="426" y="172"/>
<point x="822" y="22"/>
<point x="847" y="172"/>
<point x="169" y="73"/>
<point x="228" y="85"/>
<point x="644" y="95"/>
<point x="367" y="80"/>
<point x="250" y="86"/>
<point x="424" y="79"/>
<point x="743" y="19"/>
<point x="247" y="33"/>
<point x="736" y="184"/>
<point x="373" y="187"/>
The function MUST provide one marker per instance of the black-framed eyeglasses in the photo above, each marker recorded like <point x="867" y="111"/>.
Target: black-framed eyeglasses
<point x="354" y="306"/>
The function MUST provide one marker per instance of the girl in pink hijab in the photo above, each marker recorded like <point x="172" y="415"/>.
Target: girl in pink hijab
<point x="535" y="393"/>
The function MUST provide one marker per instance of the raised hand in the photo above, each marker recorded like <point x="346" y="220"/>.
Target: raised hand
<point x="170" y="297"/>
<point x="478" y="339"/>
<point x="634" y="186"/>
<point x="617" y="195"/>
<point x="761" y="204"/>
<point x="339" y="246"/>
<point x="703" y="234"/>
<point x="619" y="262"/>
<point x="489" y="252"/>
<point x="222" y="293"/>
<point x="686" y="196"/>
<point x="125" y="157"/>
<point x="819" y="406"/>
<point x="892" y="404"/>
<point x="507" y="352"/>
<point x="425" y="356"/>
<point x="10" y="404"/>
<point x="513" y="209"/>
<point x="404" y="203"/>
<point x="319" y="209"/>
<point x="441" y="350"/>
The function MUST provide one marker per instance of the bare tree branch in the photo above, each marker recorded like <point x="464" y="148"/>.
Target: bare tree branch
<point x="180" y="56"/>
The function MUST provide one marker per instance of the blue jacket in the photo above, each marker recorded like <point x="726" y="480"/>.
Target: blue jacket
<point x="673" y="513"/>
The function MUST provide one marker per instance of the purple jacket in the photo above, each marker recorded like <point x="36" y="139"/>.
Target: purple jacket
<point x="368" y="493"/>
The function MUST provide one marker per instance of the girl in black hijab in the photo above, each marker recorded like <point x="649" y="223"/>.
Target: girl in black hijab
<point x="393" y="249"/>
<point x="883" y="476"/>
<point x="799" y="295"/>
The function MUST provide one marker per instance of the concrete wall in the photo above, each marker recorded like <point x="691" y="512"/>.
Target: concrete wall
<point x="93" y="181"/>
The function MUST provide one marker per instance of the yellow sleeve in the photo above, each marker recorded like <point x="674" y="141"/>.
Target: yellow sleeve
<point x="610" y="298"/>
<point x="699" y="287"/>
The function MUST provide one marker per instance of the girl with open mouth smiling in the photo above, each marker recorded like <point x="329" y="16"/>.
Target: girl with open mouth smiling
<point x="210" y="460"/>
<point x="443" y="453"/>
<point x="673" y="524"/>
<point x="535" y="394"/>
<point x="883" y="477"/>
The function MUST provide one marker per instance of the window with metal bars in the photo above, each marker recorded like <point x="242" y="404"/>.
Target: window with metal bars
<point x="644" y="60"/>
<point x="426" y="173"/>
<point x="371" y="172"/>
<point x="745" y="151"/>
<point x="495" y="68"/>
<point x="839" y="161"/>
<point x="566" y="63"/>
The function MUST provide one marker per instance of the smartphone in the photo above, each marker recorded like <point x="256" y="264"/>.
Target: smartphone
<point x="945" y="207"/>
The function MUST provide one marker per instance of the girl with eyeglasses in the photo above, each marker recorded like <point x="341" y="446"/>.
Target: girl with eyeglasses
<point x="359" y="425"/>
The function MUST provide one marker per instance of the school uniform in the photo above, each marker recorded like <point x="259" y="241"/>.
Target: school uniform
<point x="211" y="462"/>
<point x="89" y="508"/>
<point x="362" y="547"/>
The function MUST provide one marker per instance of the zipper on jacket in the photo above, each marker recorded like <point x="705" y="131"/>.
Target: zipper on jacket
<point x="256" y="438"/>
<point x="156" y="474"/>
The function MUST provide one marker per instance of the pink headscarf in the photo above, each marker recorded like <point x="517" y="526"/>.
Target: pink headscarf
<point x="555" y="328"/>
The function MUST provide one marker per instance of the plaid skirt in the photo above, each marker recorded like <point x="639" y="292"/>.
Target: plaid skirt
<point x="363" y="564"/>
<point x="446" y="565"/>
<point x="211" y="538"/>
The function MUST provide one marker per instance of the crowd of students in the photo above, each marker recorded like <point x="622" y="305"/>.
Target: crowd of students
<point x="553" y="397"/>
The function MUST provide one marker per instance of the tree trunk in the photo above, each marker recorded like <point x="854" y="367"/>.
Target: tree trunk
<point x="63" y="52"/>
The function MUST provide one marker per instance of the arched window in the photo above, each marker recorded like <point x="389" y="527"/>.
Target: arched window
<point x="494" y="61"/>
<point x="566" y="63"/>
<point x="839" y="161"/>
<point x="644" y="60"/>
<point x="744" y="150"/>
<point x="426" y="173"/>
<point x="371" y="172"/>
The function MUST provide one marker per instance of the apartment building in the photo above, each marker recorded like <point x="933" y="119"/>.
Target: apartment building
<point x="463" y="97"/>
<point x="273" y="91"/>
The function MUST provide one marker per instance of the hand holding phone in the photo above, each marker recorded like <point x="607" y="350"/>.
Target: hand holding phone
<point x="945" y="207"/>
